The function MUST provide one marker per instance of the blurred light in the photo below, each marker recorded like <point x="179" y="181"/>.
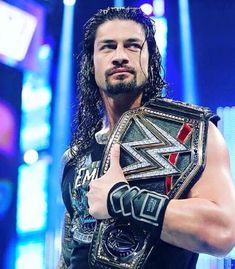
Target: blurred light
<point x="35" y="98"/>
<point x="69" y="2"/>
<point x="147" y="8"/>
<point x="119" y="3"/>
<point x="32" y="197"/>
<point x="8" y="130"/>
<point x="36" y="108"/>
<point x="35" y="137"/>
<point x="30" y="254"/>
<point x="44" y="52"/>
<point x="161" y="35"/>
<point x="16" y="28"/>
<point x="31" y="156"/>
<point x="158" y="8"/>
<point x="190" y="93"/>
<point x="61" y="128"/>
<point x="8" y="61"/>
<point x="6" y="193"/>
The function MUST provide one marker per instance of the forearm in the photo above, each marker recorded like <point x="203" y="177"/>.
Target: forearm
<point x="142" y="208"/>
<point x="197" y="225"/>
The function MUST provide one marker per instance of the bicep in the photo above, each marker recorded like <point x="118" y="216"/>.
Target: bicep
<point x="215" y="183"/>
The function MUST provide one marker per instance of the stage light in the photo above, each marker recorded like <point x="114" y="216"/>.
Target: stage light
<point x="39" y="98"/>
<point x="119" y="3"/>
<point x="36" y="110"/>
<point x="32" y="198"/>
<point x="6" y="194"/>
<point x="161" y="35"/>
<point x="61" y="130"/>
<point x="30" y="156"/>
<point x="16" y="29"/>
<point x="32" y="251"/>
<point x="69" y="2"/>
<point x="159" y="8"/>
<point x="147" y="9"/>
<point x="189" y="80"/>
<point x="44" y="52"/>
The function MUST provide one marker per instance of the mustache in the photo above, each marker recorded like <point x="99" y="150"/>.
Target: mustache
<point x="117" y="69"/>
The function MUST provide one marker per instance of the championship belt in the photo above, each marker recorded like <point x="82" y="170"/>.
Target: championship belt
<point x="163" y="150"/>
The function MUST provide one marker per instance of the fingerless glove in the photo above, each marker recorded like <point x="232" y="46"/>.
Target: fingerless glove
<point x="141" y="207"/>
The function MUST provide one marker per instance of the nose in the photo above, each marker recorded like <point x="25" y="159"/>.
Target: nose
<point x="120" y="56"/>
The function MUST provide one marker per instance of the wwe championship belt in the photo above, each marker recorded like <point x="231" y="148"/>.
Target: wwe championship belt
<point x="163" y="150"/>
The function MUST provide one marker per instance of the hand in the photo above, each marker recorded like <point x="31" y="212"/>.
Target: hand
<point x="99" y="188"/>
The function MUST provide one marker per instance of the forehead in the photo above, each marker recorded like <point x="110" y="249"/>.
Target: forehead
<point x="119" y="29"/>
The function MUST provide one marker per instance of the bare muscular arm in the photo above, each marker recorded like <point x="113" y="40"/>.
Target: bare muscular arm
<point x="204" y="222"/>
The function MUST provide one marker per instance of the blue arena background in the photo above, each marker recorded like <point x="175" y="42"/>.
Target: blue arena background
<point x="39" y="45"/>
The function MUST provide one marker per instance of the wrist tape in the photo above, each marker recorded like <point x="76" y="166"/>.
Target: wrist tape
<point x="145" y="209"/>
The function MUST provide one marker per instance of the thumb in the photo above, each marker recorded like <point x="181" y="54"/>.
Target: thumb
<point x="115" y="155"/>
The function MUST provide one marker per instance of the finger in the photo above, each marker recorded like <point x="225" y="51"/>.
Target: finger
<point x="115" y="155"/>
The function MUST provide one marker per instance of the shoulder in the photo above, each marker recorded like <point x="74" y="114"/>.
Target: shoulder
<point x="216" y="182"/>
<point x="183" y="109"/>
<point x="217" y="150"/>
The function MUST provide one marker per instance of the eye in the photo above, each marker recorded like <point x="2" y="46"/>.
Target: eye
<point x="134" y="46"/>
<point x="108" y="46"/>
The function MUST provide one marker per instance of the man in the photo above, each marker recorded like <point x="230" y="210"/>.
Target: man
<point x="120" y="71"/>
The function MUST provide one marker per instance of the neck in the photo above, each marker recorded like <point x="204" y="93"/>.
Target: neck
<point x="117" y="105"/>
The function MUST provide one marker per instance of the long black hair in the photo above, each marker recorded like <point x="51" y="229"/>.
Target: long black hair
<point x="89" y="115"/>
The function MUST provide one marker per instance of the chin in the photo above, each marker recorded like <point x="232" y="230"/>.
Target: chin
<point x="121" y="88"/>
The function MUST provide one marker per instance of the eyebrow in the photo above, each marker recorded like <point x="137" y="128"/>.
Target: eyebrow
<point x="134" y="40"/>
<point x="106" y="41"/>
<point x="110" y="41"/>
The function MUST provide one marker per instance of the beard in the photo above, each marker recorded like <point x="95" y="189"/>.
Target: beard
<point x="123" y="87"/>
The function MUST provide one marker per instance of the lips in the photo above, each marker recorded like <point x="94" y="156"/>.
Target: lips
<point x="120" y="70"/>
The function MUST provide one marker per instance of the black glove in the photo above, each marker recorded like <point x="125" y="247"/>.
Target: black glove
<point x="143" y="208"/>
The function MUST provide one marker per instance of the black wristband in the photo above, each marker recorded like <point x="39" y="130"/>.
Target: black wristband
<point x="113" y="209"/>
<point x="143" y="208"/>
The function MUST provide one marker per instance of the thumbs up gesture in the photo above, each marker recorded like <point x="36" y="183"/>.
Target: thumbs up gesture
<point x="99" y="188"/>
